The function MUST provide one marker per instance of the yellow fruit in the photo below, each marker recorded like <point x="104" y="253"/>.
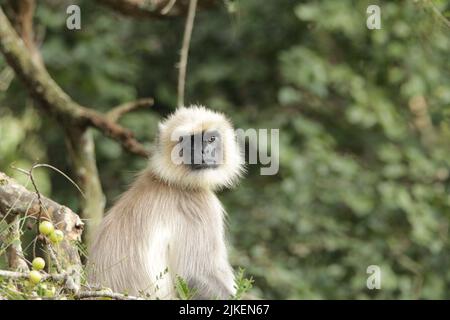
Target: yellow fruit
<point x="46" y="228"/>
<point x="38" y="263"/>
<point x="35" y="276"/>
<point x="56" y="236"/>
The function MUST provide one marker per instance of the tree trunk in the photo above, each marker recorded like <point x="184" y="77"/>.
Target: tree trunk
<point x="80" y="144"/>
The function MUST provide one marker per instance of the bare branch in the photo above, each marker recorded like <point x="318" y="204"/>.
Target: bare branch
<point x="24" y="275"/>
<point x="113" y="130"/>
<point x="117" y="112"/>
<point x="22" y="19"/>
<point x="51" y="97"/>
<point x="158" y="9"/>
<point x="185" y="51"/>
<point x="81" y="151"/>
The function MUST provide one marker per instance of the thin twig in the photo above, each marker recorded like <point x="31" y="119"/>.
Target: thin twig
<point x="168" y="7"/>
<point x="185" y="51"/>
<point x="54" y="258"/>
<point x="29" y="173"/>
<point x="38" y="165"/>
<point x="104" y="294"/>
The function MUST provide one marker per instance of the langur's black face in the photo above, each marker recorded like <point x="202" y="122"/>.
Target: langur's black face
<point x="202" y="150"/>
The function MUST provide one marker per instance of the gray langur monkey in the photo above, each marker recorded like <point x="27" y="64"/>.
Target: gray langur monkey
<point x="170" y="222"/>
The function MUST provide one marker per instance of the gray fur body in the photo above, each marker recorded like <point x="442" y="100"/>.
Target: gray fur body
<point x="170" y="223"/>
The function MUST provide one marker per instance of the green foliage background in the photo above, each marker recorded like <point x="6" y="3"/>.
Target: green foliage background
<point x="363" y="118"/>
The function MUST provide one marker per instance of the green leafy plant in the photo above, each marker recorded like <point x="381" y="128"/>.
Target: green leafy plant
<point x="183" y="290"/>
<point x="242" y="284"/>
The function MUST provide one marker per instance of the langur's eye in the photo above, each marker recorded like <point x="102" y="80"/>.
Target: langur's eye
<point x="211" y="139"/>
